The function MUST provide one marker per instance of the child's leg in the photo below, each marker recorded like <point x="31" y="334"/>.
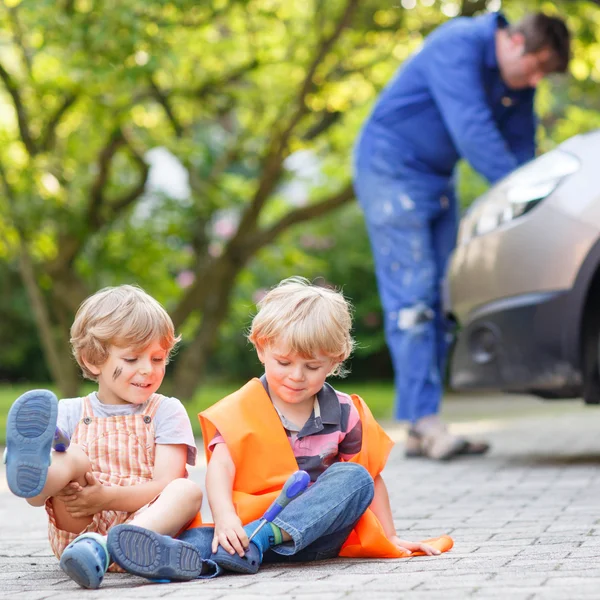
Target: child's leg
<point x="140" y="547"/>
<point x="71" y="465"/>
<point x="327" y="512"/>
<point x="319" y="521"/>
<point x="177" y="505"/>
<point x="86" y="559"/>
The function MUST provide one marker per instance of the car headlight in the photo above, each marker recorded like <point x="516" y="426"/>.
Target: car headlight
<point x="517" y="194"/>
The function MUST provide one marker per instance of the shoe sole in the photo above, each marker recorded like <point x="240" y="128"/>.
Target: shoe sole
<point x="30" y="431"/>
<point x="154" y="556"/>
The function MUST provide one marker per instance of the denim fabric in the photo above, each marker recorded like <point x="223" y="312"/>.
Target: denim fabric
<point x="412" y="233"/>
<point x="319" y="521"/>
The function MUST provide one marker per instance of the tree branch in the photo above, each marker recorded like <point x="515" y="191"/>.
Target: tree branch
<point x="327" y="120"/>
<point x="221" y="81"/>
<point x="22" y="116"/>
<point x="306" y="213"/>
<point x="272" y="164"/>
<point x="49" y="135"/>
<point x="163" y="100"/>
<point x="120" y="204"/>
<point x="115" y="141"/>
<point x="35" y="296"/>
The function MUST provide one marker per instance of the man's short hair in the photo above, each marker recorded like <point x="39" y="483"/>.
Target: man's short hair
<point x="544" y="31"/>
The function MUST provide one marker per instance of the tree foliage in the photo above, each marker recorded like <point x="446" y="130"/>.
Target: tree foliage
<point x="235" y="90"/>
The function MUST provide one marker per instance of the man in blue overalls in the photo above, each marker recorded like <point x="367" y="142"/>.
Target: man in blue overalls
<point x="468" y="93"/>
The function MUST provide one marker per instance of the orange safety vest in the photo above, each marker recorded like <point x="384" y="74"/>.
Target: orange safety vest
<point x="263" y="459"/>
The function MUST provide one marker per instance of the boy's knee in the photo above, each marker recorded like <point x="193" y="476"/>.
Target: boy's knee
<point x="354" y="478"/>
<point x="356" y="474"/>
<point x="79" y="460"/>
<point x="185" y="489"/>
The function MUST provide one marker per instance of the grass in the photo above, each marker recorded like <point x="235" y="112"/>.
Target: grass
<point x="378" y="395"/>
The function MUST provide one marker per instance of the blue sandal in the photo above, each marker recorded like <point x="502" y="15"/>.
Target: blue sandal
<point x="155" y="556"/>
<point x="86" y="559"/>
<point x="30" y="430"/>
<point x="247" y="564"/>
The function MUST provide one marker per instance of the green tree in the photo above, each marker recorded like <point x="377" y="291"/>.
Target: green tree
<point x="232" y="89"/>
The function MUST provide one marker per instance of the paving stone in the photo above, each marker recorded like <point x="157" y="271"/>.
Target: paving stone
<point x="524" y="520"/>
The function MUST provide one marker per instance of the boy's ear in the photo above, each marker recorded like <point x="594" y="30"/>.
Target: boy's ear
<point x="94" y="369"/>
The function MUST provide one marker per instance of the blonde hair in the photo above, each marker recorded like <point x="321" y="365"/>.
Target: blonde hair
<point x="306" y="319"/>
<point x="122" y="316"/>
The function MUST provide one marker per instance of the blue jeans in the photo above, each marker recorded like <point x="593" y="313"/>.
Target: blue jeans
<point x="318" y="522"/>
<point x="412" y="230"/>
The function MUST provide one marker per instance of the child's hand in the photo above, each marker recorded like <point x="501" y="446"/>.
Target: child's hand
<point x="71" y="488"/>
<point x="411" y="547"/>
<point x="87" y="501"/>
<point x="230" y="534"/>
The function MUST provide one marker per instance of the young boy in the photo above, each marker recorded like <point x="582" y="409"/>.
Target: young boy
<point x="126" y="461"/>
<point x="290" y="419"/>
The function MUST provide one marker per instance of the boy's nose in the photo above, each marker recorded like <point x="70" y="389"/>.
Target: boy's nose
<point x="144" y="368"/>
<point x="297" y="374"/>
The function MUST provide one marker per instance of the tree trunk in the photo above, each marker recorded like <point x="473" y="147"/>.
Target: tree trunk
<point x="58" y="355"/>
<point x="191" y="364"/>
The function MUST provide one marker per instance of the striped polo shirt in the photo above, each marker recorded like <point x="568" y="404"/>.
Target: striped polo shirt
<point x="332" y="433"/>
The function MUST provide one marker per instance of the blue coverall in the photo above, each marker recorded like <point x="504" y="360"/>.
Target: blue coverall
<point x="446" y="102"/>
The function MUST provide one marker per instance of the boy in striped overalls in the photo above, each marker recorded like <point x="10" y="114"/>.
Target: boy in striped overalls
<point x="126" y="462"/>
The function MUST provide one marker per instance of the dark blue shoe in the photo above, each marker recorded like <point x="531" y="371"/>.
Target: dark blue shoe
<point x="85" y="560"/>
<point x="247" y="564"/>
<point x="61" y="440"/>
<point x="30" y="430"/>
<point x="155" y="556"/>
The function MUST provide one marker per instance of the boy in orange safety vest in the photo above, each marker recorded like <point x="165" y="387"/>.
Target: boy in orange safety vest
<point x="289" y="419"/>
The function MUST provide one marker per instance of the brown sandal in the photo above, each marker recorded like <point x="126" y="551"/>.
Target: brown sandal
<point x="441" y="445"/>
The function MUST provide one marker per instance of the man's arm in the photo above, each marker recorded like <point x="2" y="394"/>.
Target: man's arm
<point x="453" y="69"/>
<point x="519" y="130"/>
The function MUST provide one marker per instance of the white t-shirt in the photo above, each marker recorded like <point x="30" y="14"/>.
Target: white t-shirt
<point x="171" y="422"/>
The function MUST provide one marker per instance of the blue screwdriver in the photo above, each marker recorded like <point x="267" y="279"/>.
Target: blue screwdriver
<point x="294" y="486"/>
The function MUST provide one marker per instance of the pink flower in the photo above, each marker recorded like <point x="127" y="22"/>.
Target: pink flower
<point x="185" y="279"/>
<point x="225" y="227"/>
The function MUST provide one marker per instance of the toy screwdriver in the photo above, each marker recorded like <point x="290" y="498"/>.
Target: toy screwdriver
<point x="294" y="486"/>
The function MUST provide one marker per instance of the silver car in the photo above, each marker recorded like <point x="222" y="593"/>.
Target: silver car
<point x="524" y="281"/>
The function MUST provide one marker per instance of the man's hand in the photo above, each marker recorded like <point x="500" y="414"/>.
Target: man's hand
<point x="411" y="547"/>
<point x="230" y="534"/>
<point x="85" y="501"/>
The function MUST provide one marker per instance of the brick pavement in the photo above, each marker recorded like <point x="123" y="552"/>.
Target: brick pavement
<point x="525" y="522"/>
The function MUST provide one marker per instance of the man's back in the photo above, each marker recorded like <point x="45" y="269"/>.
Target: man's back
<point x="448" y="101"/>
